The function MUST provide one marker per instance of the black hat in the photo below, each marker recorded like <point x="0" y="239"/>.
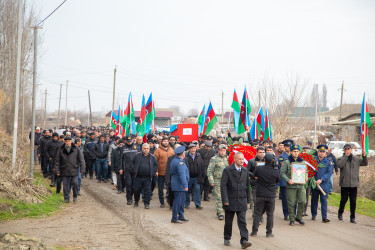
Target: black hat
<point x="150" y="141"/>
<point x="309" y="143"/>
<point x="306" y="147"/>
<point x="165" y="138"/>
<point x="128" y="138"/>
<point x="117" y="138"/>
<point x="322" y="147"/>
<point x="92" y="133"/>
<point x="204" y="137"/>
<point x="214" y="140"/>
<point x="347" y="145"/>
<point x="288" y="143"/>
<point x="209" y="137"/>
<point x="121" y="141"/>
<point x="268" y="157"/>
<point x="55" y="134"/>
<point x="68" y="138"/>
<point x="294" y="147"/>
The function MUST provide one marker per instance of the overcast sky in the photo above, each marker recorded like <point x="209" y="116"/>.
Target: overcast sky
<point x="187" y="52"/>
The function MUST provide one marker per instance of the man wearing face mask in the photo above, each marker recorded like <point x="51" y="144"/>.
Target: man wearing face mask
<point x="349" y="179"/>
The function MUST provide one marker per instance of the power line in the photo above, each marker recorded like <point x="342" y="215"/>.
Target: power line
<point x="50" y="13"/>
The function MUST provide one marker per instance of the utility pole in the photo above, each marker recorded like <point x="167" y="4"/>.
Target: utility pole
<point x="18" y="76"/>
<point x="114" y="89"/>
<point x="90" y="108"/>
<point x="58" y="112"/>
<point x="316" y="111"/>
<point x="259" y="98"/>
<point x="66" y="104"/>
<point x="222" y="107"/>
<point x="23" y="103"/>
<point x="33" y="101"/>
<point x="45" y="109"/>
<point x="342" y="93"/>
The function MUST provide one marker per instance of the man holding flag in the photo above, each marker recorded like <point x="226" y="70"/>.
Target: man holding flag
<point x="349" y="166"/>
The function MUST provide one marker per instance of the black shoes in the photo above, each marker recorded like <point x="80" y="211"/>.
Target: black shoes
<point x="199" y="207"/>
<point x="245" y="244"/>
<point x="271" y="235"/>
<point x="66" y="201"/>
<point x="52" y="184"/>
<point x="221" y="217"/>
<point x="352" y="220"/>
<point x="184" y="220"/>
<point x="136" y="204"/>
<point x="253" y="234"/>
<point x="304" y="214"/>
<point x="74" y="199"/>
<point x="162" y="206"/>
<point x="147" y="206"/>
<point x="300" y="221"/>
<point x="129" y="202"/>
<point x="291" y="223"/>
<point x="176" y="221"/>
<point x="340" y="216"/>
<point x="313" y="218"/>
<point x="326" y="220"/>
<point x="227" y="242"/>
<point x="286" y="217"/>
<point x="119" y="192"/>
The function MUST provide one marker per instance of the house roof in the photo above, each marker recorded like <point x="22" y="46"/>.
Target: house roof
<point x="158" y="113"/>
<point x="305" y="111"/>
<point x="347" y="109"/>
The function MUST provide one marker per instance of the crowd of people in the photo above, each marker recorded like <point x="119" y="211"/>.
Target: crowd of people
<point x="186" y="173"/>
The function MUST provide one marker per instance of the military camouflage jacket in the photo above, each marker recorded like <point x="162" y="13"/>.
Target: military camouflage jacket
<point x="216" y="167"/>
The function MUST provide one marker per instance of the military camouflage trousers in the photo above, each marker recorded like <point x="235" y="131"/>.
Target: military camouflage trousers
<point x="219" y="204"/>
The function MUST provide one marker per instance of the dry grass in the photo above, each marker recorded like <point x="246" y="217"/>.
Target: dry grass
<point x="16" y="184"/>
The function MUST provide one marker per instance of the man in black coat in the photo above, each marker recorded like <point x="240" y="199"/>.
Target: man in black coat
<point x="206" y="153"/>
<point x="52" y="148"/>
<point x="42" y="153"/>
<point x="129" y="151"/>
<point x="69" y="160"/>
<point x="267" y="177"/>
<point x="101" y="153"/>
<point x="117" y="167"/>
<point x="251" y="165"/>
<point x="197" y="174"/>
<point x="145" y="166"/>
<point x="235" y="194"/>
<point x="37" y="136"/>
<point x="90" y="155"/>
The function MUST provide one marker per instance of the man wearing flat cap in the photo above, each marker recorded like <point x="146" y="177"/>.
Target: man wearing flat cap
<point x="322" y="178"/>
<point x="294" y="192"/>
<point x="349" y="179"/>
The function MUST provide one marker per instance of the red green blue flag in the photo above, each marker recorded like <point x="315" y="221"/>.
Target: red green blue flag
<point x="210" y="120"/>
<point x="365" y="125"/>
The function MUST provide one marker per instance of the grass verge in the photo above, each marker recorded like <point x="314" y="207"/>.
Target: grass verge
<point x="364" y="206"/>
<point x="17" y="210"/>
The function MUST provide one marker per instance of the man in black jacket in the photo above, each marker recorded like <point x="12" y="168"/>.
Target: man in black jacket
<point x="267" y="177"/>
<point x="101" y="153"/>
<point x="235" y="194"/>
<point x="69" y="160"/>
<point x="197" y="174"/>
<point x="43" y="153"/>
<point x="117" y="167"/>
<point x="90" y="155"/>
<point x="206" y="153"/>
<point x="37" y="136"/>
<point x="251" y="165"/>
<point x="145" y="166"/>
<point x="129" y="150"/>
<point x="52" y="147"/>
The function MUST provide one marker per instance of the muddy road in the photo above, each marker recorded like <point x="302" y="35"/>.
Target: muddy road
<point x="102" y="220"/>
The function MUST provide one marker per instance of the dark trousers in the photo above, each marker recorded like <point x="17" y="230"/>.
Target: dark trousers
<point x="241" y="222"/>
<point x="89" y="166"/>
<point x="307" y="196"/>
<point x="102" y="169"/>
<point x="284" y="201"/>
<point x="254" y="198"/>
<point x="68" y="182"/>
<point x="170" y="196"/>
<point x="154" y="181"/>
<point x="314" y="203"/>
<point x="264" y="205"/>
<point x="53" y="173"/>
<point x="161" y="182"/>
<point x="129" y="185"/>
<point x="206" y="188"/>
<point x="351" y="193"/>
<point x="195" y="189"/>
<point x="44" y="165"/>
<point x="178" y="205"/>
<point x="120" y="182"/>
<point x="58" y="184"/>
<point x="140" y="183"/>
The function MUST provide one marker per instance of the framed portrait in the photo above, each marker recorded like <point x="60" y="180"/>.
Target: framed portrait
<point x="298" y="172"/>
<point x="260" y="163"/>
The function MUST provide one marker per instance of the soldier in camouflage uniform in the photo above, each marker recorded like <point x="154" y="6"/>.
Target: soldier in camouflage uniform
<point x="214" y="172"/>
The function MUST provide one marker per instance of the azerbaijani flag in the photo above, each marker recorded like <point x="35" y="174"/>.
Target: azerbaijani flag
<point x="256" y="130"/>
<point x="150" y="113"/>
<point x="236" y="110"/>
<point x="210" y="120"/>
<point x="246" y="102"/>
<point x="141" y="125"/>
<point x="267" y="127"/>
<point x="114" y="119"/>
<point x="129" y="120"/>
<point x="244" y="120"/>
<point x="201" y="119"/>
<point x="118" y="124"/>
<point x="365" y="125"/>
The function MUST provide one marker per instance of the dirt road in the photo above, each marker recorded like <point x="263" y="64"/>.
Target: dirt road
<point x="102" y="220"/>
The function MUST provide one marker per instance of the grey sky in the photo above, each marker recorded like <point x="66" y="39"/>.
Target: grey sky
<point x="187" y="52"/>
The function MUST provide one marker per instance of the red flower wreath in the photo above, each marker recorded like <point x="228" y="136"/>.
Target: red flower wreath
<point x="248" y="151"/>
<point x="310" y="159"/>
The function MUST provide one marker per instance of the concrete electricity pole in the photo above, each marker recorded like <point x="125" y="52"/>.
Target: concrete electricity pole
<point x="58" y="112"/>
<point x="114" y="89"/>
<point x="90" y="109"/>
<point x="342" y="93"/>
<point x="18" y="77"/>
<point x="66" y="104"/>
<point x="45" y="110"/>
